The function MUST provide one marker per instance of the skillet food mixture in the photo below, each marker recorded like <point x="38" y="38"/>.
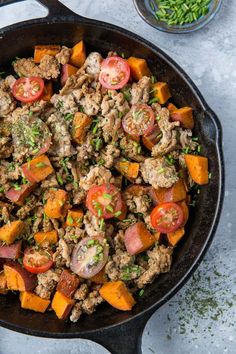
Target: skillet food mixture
<point x="94" y="179"/>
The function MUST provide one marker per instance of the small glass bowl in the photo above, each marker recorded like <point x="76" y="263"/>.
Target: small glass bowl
<point x="144" y="10"/>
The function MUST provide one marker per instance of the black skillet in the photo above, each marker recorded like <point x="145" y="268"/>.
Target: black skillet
<point x="118" y="331"/>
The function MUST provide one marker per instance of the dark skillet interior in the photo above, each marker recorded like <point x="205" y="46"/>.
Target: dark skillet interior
<point x="20" y="42"/>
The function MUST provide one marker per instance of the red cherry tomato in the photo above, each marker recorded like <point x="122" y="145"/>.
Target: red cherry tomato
<point x="89" y="256"/>
<point x="115" y="73"/>
<point x="37" y="260"/>
<point x="104" y="201"/>
<point x="139" y="120"/>
<point x="28" y="89"/>
<point x="167" y="217"/>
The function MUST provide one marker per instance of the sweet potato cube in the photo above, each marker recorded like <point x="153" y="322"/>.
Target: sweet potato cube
<point x="37" y="169"/>
<point x="31" y="301"/>
<point x="171" y="107"/>
<point x="68" y="283"/>
<point x="75" y="217"/>
<point x="41" y="50"/>
<point x="12" y="251"/>
<point x="62" y="305"/>
<point x="46" y="238"/>
<point x="100" y="278"/>
<point x="18" y="278"/>
<point x="80" y="125"/>
<point x="152" y="138"/>
<point x="117" y="295"/>
<point x="56" y="205"/>
<point x="138" y="239"/>
<point x="138" y="68"/>
<point x="176" y="193"/>
<point x="128" y="169"/>
<point x="18" y="196"/>
<point x="9" y="232"/>
<point x="183" y="115"/>
<point x="3" y="284"/>
<point x="175" y="237"/>
<point x="78" y="54"/>
<point x="161" y="92"/>
<point x="47" y="92"/>
<point x="198" y="168"/>
<point x="67" y="71"/>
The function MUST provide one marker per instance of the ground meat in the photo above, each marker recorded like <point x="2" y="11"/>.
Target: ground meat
<point x="86" y="150"/>
<point x="169" y="140"/>
<point x="6" y="148"/>
<point x="46" y="283"/>
<point x="78" y="196"/>
<point x="114" y="100"/>
<point x="63" y="56"/>
<point x="82" y="292"/>
<point x="185" y="138"/>
<point x="49" y="68"/>
<point x="140" y="90"/>
<point x="111" y="126"/>
<point x="73" y="234"/>
<point x="92" y="63"/>
<point x="62" y="255"/>
<point x="91" y="302"/>
<point x="138" y="203"/>
<point x="38" y="219"/>
<point x="130" y="220"/>
<point x="61" y="138"/>
<point x="25" y="210"/>
<point x="108" y="155"/>
<point x="7" y="103"/>
<point x="76" y="312"/>
<point x="7" y="83"/>
<point x="91" y="103"/>
<point x="159" y="262"/>
<point x="158" y="173"/>
<point x="65" y="104"/>
<point x="96" y="176"/>
<point x="91" y="224"/>
<point x="131" y="149"/>
<point x="50" y="182"/>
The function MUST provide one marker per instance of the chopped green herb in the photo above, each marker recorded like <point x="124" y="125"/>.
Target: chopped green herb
<point x="40" y="165"/>
<point x="141" y="292"/>
<point x="153" y="100"/>
<point x="69" y="116"/>
<point x="109" y="208"/>
<point x="17" y="187"/>
<point x="209" y="175"/>
<point x="107" y="196"/>
<point x="59" y="180"/>
<point x="1" y="189"/>
<point x="101" y="162"/>
<point x="153" y="79"/>
<point x="161" y="170"/>
<point x="118" y="213"/>
<point x="101" y="224"/>
<point x="31" y="113"/>
<point x="70" y="219"/>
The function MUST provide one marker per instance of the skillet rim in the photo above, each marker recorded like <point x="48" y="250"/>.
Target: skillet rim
<point x="146" y="313"/>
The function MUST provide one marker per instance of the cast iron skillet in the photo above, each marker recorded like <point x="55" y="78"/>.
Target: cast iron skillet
<point x="118" y="331"/>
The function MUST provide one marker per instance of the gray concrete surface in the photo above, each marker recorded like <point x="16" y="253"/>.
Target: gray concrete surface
<point x="200" y="319"/>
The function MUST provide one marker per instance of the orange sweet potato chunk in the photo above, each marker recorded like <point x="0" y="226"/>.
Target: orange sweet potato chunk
<point x="138" y="68"/>
<point x="9" y="232"/>
<point x="175" y="237"/>
<point x="46" y="238"/>
<point x="74" y="217"/>
<point x="117" y="295"/>
<point x="47" y="92"/>
<point x="41" y="50"/>
<point x="198" y="168"/>
<point x="31" y="301"/>
<point x="100" y="278"/>
<point x="18" y="278"/>
<point x="161" y="92"/>
<point x="78" y="54"/>
<point x="37" y="169"/>
<point x="183" y="115"/>
<point x="80" y="125"/>
<point x="56" y="205"/>
<point x="3" y="284"/>
<point x="138" y="239"/>
<point x="128" y="169"/>
<point x="171" y="107"/>
<point x="62" y="305"/>
<point x="175" y="193"/>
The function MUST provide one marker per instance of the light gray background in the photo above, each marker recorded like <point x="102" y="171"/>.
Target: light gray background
<point x="209" y="57"/>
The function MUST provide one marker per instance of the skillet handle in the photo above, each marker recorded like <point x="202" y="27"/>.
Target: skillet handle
<point x="55" y="7"/>
<point x="122" y="339"/>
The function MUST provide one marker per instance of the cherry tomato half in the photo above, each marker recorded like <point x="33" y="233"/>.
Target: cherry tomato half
<point x="89" y="256"/>
<point x="37" y="260"/>
<point x="139" y="120"/>
<point x="115" y="73"/>
<point x="28" y="89"/>
<point x="167" y="217"/>
<point x="104" y="201"/>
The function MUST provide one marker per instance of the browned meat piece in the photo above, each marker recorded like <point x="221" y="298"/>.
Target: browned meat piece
<point x="47" y="282"/>
<point x="140" y="90"/>
<point x="137" y="202"/>
<point x="158" y="172"/>
<point x="131" y="149"/>
<point x="91" y="224"/>
<point x="7" y="103"/>
<point x="92" y="64"/>
<point x="91" y="302"/>
<point x="62" y="255"/>
<point x="82" y="292"/>
<point x="159" y="262"/>
<point x="76" y="312"/>
<point x="108" y="155"/>
<point x="63" y="56"/>
<point x="96" y="176"/>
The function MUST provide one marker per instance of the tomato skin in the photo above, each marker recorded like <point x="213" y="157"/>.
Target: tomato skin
<point x="24" y="89"/>
<point x="115" y="73"/>
<point x="96" y="201"/>
<point x="139" y="120"/>
<point x="83" y="261"/>
<point x="167" y="217"/>
<point x="32" y="256"/>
